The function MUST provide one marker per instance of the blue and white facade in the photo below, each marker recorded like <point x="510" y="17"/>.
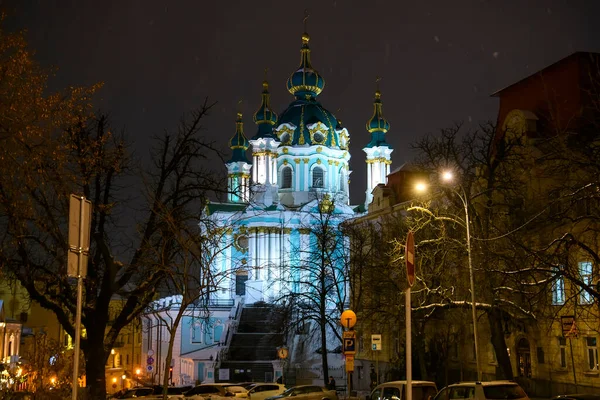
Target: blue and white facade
<point x="278" y="180"/>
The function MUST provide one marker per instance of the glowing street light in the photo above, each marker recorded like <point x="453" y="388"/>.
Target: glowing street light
<point x="448" y="177"/>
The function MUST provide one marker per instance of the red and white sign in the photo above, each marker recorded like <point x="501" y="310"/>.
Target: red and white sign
<point x="410" y="258"/>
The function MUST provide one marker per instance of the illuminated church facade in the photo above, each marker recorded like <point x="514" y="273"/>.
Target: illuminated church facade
<point x="280" y="180"/>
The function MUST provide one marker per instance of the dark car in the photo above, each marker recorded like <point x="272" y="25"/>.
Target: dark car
<point x="578" y="396"/>
<point x="307" y="392"/>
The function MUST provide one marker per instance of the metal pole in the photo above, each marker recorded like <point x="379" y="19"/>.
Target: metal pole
<point x="573" y="363"/>
<point x="408" y="347"/>
<point x="377" y="366"/>
<point x="473" y="306"/>
<point x="78" y="313"/>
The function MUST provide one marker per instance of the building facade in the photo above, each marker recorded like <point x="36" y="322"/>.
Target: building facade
<point x="282" y="180"/>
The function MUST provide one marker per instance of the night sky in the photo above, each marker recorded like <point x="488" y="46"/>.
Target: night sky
<point x="439" y="60"/>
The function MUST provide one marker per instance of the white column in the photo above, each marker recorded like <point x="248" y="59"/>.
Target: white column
<point x="369" y="172"/>
<point x="306" y="177"/>
<point x="267" y="168"/>
<point x="260" y="259"/>
<point x="297" y="176"/>
<point x="274" y="169"/>
<point x="252" y="251"/>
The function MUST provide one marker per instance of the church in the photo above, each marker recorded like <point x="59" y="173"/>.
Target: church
<point x="281" y="181"/>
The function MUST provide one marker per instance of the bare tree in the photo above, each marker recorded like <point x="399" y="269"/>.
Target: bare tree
<point x="52" y="146"/>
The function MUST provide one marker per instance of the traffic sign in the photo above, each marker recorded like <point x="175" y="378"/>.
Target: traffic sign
<point x="349" y="363"/>
<point x="150" y="353"/>
<point x="410" y="258"/>
<point x="150" y="361"/>
<point x="376" y="342"/>
<point x="349" y="339"/>
<point x="149" y="368"/>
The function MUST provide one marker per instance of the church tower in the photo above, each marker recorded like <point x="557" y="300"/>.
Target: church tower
<point x="264" y="152"/>
<point x="313" y="156"/>
<point x="238" y="167"/>
<point x="378" y="150"/>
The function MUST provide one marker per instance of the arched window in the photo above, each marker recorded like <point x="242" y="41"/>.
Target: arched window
<point x="286" y="177"/>
<point x="342" y="184"/>
<point x="317" y="178"/>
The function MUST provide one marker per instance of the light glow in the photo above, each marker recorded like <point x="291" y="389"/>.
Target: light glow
<point x="421" y="187"/>
<point x="447" y="176"/>
<point x="114" y="380"/>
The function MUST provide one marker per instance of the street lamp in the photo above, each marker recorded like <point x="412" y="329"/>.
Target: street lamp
<point x="112" y="351"/>
<point x="447" y="176"/>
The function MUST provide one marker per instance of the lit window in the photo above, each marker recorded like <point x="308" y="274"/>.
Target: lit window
<point x="592" y="352"/>
<point x="562" y="355"/>
<point x="286" y="177"/>
<point x="585" y="272"/>
<point x="317" y="178"/>
<point x="558" y="289"/>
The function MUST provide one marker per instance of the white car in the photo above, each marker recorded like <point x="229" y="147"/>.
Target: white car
<point x="493" y="390"/>
<point x="395" y="390"/>
<point x="214" y="391"/>
<point x="260" y="391"/>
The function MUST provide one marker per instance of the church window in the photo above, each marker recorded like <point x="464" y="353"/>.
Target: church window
<point x="286" y="177"/>
<point x="319" y="137"/>
<point x="197" y="333"/>
<point x="342" y="184"/>
<point x="317" y="178"/>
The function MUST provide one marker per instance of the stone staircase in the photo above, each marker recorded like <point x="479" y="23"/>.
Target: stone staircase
<point x="254" y="346"/>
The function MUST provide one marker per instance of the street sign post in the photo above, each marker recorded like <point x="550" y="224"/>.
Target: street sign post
<point x="80" y="216"/>
<point x="376" y="342"/>
<point x="349" y="338"/>
<point x="350" y="363"/>
<point x="410" y="274"/>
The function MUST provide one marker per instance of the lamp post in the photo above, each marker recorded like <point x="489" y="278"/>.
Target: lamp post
<point x="112" y="351"/>
<point x="448" y="177"/>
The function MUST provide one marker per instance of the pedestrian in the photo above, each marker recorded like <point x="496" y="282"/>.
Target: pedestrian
<point x="331" y="383"/>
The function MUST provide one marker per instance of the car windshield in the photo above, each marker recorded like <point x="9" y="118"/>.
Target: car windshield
<point x="504" y="392"/>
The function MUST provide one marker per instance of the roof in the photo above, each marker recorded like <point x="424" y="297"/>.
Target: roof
<point x="578" y="54"/>
<point x="212" y="208"/>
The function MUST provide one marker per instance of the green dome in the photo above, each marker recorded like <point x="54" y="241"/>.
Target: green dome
<point x="377" y="125"/>
<point x="264" y="117"/>
<point x="303" y="113"/>
<point x="238" y="143"/>
<point x="306" y="81"/>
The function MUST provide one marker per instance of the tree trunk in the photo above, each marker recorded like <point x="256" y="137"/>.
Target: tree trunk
<point x="95" y="360"/>
<point x="324" y="363"/>
<point x="495" y="320"/>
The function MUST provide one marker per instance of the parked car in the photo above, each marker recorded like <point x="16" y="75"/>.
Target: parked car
<point x="396" y="390"/>
<point x="134" y="393"/>
<point x="260" y="391"/>
<point x="307" y="392"/>
<point x="214" y="391"/>
<point x="493" y="390"/>
<point x="577" y="396"/>
<point x="173" y="392"/>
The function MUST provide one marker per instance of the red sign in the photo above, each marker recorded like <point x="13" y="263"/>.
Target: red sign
<point x="410" y="258"/>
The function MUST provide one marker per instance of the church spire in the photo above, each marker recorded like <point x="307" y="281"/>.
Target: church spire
<point x="377" y="125"/>
<point x="265" y="117"/>
<point x="238" y="167"/>
<point x="378" y="150"/>
<point x="305" y="82"/>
